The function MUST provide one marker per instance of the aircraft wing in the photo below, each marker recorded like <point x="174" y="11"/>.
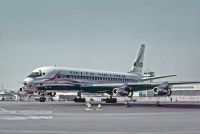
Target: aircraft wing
<point x="111" y="86"/>
<point x="158" y="77"/>
<point x="135" y="86"/>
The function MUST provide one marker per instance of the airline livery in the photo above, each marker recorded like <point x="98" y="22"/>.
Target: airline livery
<point x="51" y="79"/>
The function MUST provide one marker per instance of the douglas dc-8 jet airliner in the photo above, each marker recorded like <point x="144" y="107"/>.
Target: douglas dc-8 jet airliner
<point x="52" y="79"/>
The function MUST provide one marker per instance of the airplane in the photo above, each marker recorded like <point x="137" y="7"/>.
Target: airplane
<point x="50" y="79"/>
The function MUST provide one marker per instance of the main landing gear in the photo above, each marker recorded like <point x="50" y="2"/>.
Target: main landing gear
<point x="79" y="98"/>
<point x="111" y="99"/>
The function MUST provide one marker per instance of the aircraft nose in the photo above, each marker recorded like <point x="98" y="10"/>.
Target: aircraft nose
<point x="28" y="81"/>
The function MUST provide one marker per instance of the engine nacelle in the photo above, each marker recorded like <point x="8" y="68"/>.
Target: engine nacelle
<point x="162" y="90"/>
<point x="123" y="91"/>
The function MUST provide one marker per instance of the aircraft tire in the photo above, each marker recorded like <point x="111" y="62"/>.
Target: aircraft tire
<point x="42" y="99"/>
<point x="80" y="100"/>
<point x="111" y="100"/>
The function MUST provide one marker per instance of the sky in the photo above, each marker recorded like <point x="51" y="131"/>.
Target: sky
<point x="99" y="34"/>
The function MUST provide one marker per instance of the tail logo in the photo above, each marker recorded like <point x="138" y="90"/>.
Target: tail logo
<point x="138" y="64"/>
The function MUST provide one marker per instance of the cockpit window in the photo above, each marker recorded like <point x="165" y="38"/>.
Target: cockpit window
<point x="35" y="74"/>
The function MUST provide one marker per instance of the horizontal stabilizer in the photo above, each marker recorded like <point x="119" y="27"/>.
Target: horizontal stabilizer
<point x="158" y="77"/>
<point x="184" y="82"/>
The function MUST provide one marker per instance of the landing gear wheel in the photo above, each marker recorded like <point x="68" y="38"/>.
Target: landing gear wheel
<point x="130" y="94"/>
<point x="111" y="100"/>
<point x="80" y="100"/>
<point x="42" y="99"/>
<point x="169" y="92"/>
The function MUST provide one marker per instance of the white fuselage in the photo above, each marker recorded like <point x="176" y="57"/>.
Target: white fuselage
<point x="61" y="76"/>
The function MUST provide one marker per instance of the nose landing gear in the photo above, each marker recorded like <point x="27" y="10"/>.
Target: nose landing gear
<point x="42" y="98"/>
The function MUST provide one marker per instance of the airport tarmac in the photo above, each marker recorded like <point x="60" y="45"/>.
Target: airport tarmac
<point x="76" y="118"/>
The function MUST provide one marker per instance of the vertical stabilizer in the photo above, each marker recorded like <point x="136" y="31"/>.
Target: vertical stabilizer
<point x="138" y="64"/>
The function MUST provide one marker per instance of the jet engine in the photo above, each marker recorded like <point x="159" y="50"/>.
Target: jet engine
<point x="124" y="90"/>
<point x="162" y="90"/>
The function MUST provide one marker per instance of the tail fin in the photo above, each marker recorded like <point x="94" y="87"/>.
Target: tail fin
<point x="138" y="65"/>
